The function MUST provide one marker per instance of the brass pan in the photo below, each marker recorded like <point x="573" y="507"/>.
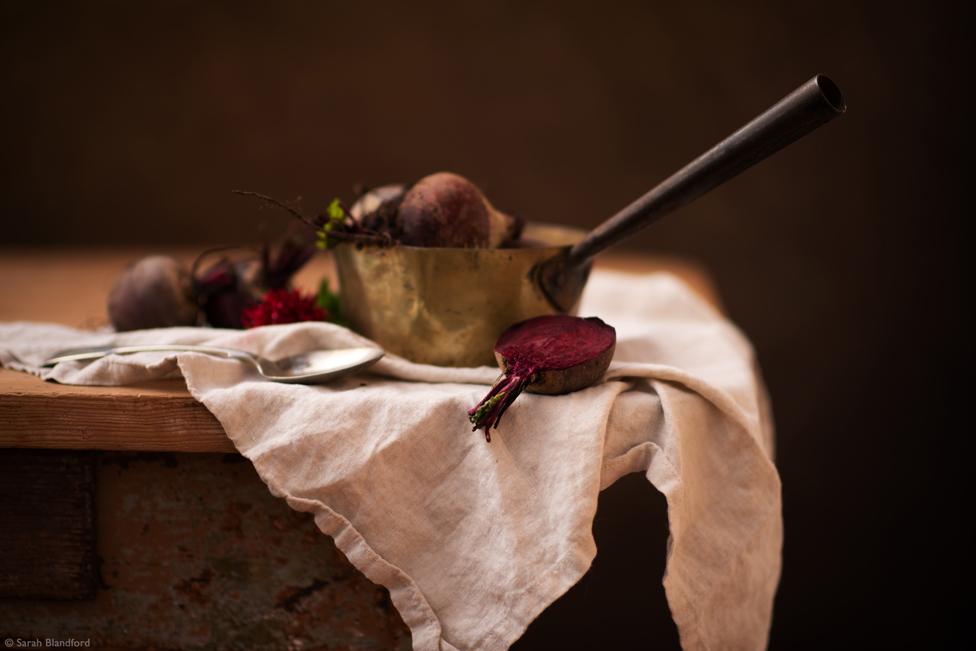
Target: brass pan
<point x="447" y="306"/>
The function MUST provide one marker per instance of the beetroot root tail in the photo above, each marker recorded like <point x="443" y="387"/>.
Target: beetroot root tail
<point x="487" y="413"/>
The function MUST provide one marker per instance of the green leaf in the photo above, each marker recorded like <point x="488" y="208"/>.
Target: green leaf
<point x="335" y="211"/>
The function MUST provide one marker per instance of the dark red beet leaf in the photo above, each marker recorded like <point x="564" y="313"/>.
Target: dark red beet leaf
<point x="222" y="293"/>
<point x="547" y="354"/>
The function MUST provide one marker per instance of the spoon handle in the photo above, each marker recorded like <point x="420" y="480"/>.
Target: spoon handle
<point x="80" y="354"/>
<point x="814" y="103"/>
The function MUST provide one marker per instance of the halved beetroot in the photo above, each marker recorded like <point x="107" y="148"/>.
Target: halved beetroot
<point x="547" y="354"/>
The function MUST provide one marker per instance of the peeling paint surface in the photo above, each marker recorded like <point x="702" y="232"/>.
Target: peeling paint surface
<point x="195" y="553"/>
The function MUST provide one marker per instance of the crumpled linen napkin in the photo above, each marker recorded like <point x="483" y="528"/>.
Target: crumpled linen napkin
<point x="473" y="539"/>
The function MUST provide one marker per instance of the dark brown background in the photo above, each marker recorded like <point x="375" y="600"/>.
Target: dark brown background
<point x="129" y="123"/>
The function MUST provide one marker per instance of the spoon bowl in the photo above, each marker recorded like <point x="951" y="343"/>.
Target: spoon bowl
<point x="312" y="367"/>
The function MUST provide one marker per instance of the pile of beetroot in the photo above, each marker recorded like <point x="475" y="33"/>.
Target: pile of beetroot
<point x="548" y="354"/>
<point x="440" y="210"/>
<point x="227" y="292"/>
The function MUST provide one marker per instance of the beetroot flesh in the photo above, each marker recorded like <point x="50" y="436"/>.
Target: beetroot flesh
<point x="547" y="354"/>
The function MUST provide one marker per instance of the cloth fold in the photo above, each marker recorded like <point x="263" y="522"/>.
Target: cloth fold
<point x="475" y="539"/>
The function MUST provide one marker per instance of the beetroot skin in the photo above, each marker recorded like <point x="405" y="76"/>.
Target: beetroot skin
<point x="547" y="354"/>
<point x="155" y="292"/>
<point x="448" y="210"/>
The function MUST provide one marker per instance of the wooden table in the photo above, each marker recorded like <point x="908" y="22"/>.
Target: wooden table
<point x="70" y="287"/>
<point x="143" y="528"/>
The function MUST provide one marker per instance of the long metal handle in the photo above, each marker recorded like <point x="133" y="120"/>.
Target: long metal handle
<point x="80" y="354"/>
<point x="814" y="103"/>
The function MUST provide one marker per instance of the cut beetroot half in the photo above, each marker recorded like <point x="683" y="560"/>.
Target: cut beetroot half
<point x="547" y="354"/>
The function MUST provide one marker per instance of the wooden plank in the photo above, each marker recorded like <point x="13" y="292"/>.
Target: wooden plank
<point x="47" y="531"/>
<point x="70" y="287"/>
<point x="156" y="416"/>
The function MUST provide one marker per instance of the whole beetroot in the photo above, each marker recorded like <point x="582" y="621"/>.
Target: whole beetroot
<point x="547" y="354"/>
<point x="228" y="286"/>
<point x="448" y="210"/>
<point x="155" y="292"/>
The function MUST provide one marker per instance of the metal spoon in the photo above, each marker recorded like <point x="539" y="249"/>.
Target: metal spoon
<point x="305" y="368"/>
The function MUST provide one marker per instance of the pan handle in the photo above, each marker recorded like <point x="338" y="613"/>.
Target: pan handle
<point x="813" y="104"/>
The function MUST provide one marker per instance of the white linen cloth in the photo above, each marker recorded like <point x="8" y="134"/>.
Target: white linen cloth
<point x="475" y="539"/>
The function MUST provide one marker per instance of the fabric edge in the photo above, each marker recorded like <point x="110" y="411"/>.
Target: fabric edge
<point x="425" y="629"/>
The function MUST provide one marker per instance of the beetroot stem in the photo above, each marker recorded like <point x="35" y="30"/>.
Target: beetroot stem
<point x="279" y="204"/>
<point x="487" y="413"/>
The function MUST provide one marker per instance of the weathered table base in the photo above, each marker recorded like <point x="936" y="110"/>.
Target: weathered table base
<point x="192" y="552"/>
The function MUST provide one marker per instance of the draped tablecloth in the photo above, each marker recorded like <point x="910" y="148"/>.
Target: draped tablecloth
<point x="475" y="539"/>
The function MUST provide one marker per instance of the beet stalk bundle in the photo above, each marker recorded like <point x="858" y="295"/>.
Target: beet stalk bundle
<point x="228" y="287"/>
<point x="158" y="291"/>
<point x="547" y="354"/>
